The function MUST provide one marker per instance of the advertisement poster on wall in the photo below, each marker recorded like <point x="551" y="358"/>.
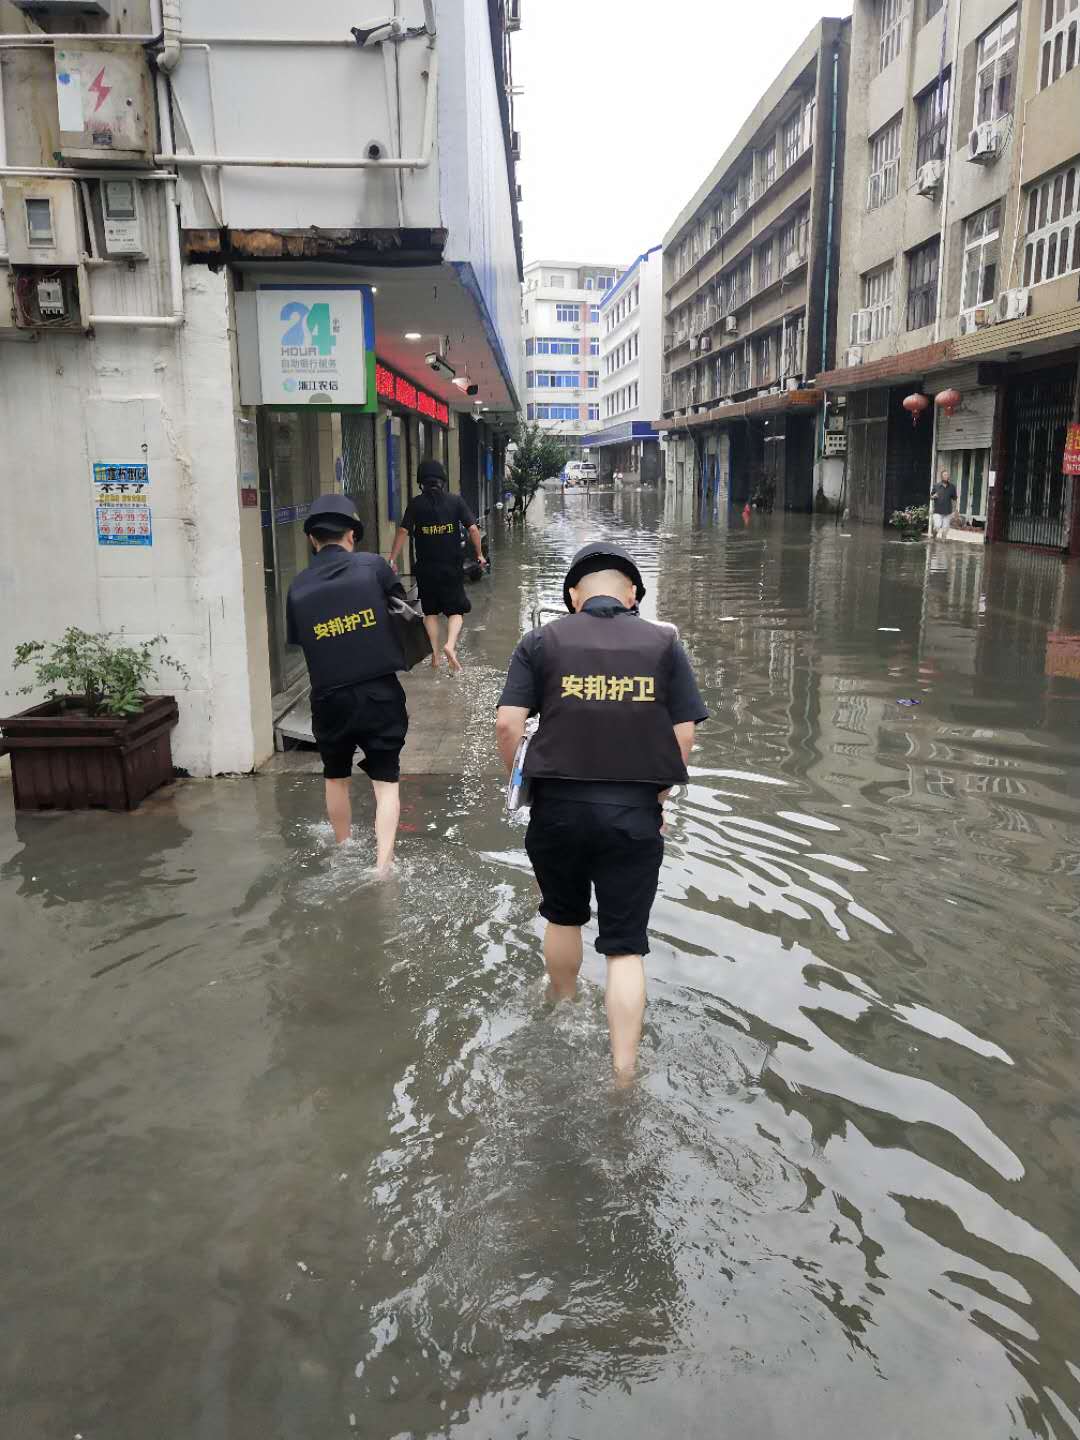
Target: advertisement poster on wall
<point x="122" y="503"/>
<point x="317" y="346"/>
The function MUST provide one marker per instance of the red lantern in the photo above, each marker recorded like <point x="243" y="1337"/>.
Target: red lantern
<point x="915" y="405"/>
<point x="948" y="401"/>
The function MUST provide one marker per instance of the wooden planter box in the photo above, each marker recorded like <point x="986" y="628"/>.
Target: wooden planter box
<point x="65" y="761"/>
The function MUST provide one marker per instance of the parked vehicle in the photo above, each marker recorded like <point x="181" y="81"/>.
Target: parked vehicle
<point x="580" y="472"/>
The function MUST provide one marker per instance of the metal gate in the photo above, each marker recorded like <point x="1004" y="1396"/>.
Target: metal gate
<point x="1038" y="497"/>
<point x="358" y="473"/>
<point x="868" y="446"/>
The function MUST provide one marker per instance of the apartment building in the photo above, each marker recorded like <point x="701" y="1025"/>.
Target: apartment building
<point x="630" y="359"/>
<point x="244" y="259"/>
<point x="560" y="324"/>
<point x="960" y="261"/>
<point x="750" y="268"/>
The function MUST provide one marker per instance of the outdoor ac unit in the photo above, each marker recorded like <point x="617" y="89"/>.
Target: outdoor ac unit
<point x="928" y="179"/>
<point x="854" y="355"/>
<point x="983" y="143"/>
<point x="977" y="319"/>
<point x="791" y="383"/>
<point x="1013" y="304"/>
<point x="706" y="342"/>
<point x="515" y="144"/>
<point x="513" y="14"/>
<point x="731" y="325"/>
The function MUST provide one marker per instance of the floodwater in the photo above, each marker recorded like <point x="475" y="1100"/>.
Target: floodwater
<point x="290" y="1154"/>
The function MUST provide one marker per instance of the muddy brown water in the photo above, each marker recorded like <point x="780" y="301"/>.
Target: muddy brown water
<point x="289" y="1153"/>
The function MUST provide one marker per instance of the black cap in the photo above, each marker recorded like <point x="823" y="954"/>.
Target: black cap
<point x="334" y="511"/>
<point x="430" y="472"/>
<point x="601" y="555"/>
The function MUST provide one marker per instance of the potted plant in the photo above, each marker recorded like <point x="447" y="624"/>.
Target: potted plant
<point x="911" y="522"/>
<point x="98" y="740"/>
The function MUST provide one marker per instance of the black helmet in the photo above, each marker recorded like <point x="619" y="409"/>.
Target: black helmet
<point x="430" y="472"/>
<point x="334" y="511"/>
<point x="601" y="555"/>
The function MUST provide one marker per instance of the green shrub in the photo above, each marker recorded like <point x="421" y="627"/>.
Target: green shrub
<point x="108" y="676"/>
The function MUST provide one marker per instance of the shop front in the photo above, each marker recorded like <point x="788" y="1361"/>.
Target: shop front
<point x="1038" y="502"/>
<point x="963" y="438"/>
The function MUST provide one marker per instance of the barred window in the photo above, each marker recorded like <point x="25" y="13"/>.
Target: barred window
<point x="923" y="284"/>
<point x="982" y="244"/>
<point x="1060" y="19"/>
<point x="884" y="179"/>
<point x="1052" y="247"/>
<point x="932" y="123"/>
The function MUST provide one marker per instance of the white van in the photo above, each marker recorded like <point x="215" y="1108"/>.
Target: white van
<point x="580" y="472"/>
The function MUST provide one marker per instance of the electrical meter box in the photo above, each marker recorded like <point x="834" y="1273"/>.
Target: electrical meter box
<point x="105" y="104"/>
<point x="41" y="218"/>
<point x="119" y="218"/>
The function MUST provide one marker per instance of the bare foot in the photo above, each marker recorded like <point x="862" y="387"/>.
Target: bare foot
<point x="436" y="660"/>
<point x="452" y="660"/>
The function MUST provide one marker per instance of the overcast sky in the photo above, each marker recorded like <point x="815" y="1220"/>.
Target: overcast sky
<point x="622" y="118"/>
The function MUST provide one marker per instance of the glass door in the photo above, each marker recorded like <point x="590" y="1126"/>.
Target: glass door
<point x="288" y="482"/>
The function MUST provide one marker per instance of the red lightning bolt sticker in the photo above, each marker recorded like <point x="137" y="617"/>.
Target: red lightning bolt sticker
<point x="101" y="90"/>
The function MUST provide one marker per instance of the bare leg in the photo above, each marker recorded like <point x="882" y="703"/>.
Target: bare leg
<point x="625" y="1012"/>
<point x="562" y="956"/>
<point x="453" y="630"/>
<point x="387" y="815"/>
<point x="431" y="625"/>
<point x="339" y="809"/>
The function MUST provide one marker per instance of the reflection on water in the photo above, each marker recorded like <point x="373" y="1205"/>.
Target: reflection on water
<point x="296" y="1153"/>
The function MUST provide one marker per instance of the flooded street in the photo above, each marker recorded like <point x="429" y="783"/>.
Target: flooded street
<point x="289" y="1153"/>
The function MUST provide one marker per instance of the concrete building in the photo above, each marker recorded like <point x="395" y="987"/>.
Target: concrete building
<point x="750" y="267"/>
<point x="630" y="361"/>
<point x="232" y="256"/>
<point x="960" y="261"/>
<point x="561" y="344"/>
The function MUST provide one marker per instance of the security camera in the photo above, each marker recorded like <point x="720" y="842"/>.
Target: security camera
<point x="377" y="32"/>
<point x="435" y="362"/>
<point x="472" y="389"/>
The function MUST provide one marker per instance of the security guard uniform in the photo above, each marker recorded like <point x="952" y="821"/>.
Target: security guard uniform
<point x="609" y="687"/>
<point x="337" y="612"/>
<point x="436" y="521"/>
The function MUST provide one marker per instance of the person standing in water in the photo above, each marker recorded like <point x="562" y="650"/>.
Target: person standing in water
<point x="618" y="705"/>
<point x="435" y="520"/>
<point x="338" y="612"/>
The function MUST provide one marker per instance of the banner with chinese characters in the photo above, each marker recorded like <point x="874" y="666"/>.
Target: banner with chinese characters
<point x="316" y="346"/>
<point x="1071" y="463"/>
<point x="122" y="503"/>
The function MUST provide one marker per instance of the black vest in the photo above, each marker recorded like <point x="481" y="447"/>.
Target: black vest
<point x="437" y="531"/>
<point x="339" y="613"/>
<point x="604" y="713"/>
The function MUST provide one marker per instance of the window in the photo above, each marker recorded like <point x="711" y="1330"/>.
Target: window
<point x="556" y="282"/>
<point x="932" y="123"/>
<point x="741" y="282"/>
<point x="594" y="314"/>
<point x="594" y="379"/>
<point x="529" y="346"/>
<point x="922" y="283"/>
<point x="995" y="66"/>
<point x="551" y="345"/>
<point x="594" y="412"/>
<point x="1052" y="247"/>
<point x="794" y="340"/>
<point x="767" y="162"/>
<point x="566" y="314"/>
<point x="874" y="320"/>
<point x="589" y="282"/>
<point x="1059" y="39"/>
<point x="594" y="346"/>
<point x="981" y="244"/>
<point x="556" y="380"/>
<point x="531" y="412"/>
<point x="793" y="130"/>
<point x="793" y="238"/>
<point x="556" y="412"/>
<point x="765" y="266"/>
<point x="884" y="179"/>
<point x="605" y="282"/>
<point x="891" y="31"/>
<point x="530" y="379"/>
<point x="765" y="360"/>
<point x="968" y="472"/>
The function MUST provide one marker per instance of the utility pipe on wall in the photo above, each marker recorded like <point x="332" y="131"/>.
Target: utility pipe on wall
<point x="947" y="174"/>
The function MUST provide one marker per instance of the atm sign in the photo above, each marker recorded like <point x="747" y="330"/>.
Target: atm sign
<point x="394" y="387"/>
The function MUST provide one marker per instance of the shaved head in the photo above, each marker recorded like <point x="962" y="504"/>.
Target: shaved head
<point x="604" y="582"/>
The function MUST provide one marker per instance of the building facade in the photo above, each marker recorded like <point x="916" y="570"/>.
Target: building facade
<point x="960" y="262"/>
<point x="630" y="361"/>
<point x="241" y="266"/>
<point x="560" y="326"/>
<point x="750" y="270"/>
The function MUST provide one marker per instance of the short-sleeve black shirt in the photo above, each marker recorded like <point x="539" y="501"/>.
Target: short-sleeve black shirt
<point x="447" y="507"/>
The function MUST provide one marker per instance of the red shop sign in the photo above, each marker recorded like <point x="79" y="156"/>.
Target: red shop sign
<point x="1070" y="465"/>
<point x="391" y="386"/>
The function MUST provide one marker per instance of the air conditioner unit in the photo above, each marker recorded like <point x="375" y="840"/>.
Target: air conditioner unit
<point x="706" y="342"/>
<point x="977" y="319"/>
<point x="928" y="179"/>
<point x="854" y="356"/>
<point x="515" y="144"/>
<point x="1013" y="304"/>
<point x="513" y="14"/>
<point x="983" y="143"/>
<point x="791" y="383"/>
<point x="731" y="325"/>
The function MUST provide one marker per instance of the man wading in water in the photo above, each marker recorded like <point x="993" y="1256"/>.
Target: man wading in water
<point x="618" y="704"/>
<point x="435" y="521"/>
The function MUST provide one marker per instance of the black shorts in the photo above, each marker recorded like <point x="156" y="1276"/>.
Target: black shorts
<point x="574" y="846"/>
<point x="442" y="592"/>
<point x="371" y="716"/>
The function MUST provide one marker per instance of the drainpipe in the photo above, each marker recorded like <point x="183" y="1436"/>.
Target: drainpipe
<point x="169" y="22"/>
<point x="829" y="232"/>
<point x="3" y="162"/>
<point x="943" y="226"/>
